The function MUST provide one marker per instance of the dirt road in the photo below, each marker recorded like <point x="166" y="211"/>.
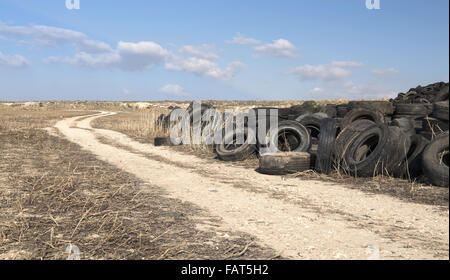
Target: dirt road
<point x="300" y="219"/>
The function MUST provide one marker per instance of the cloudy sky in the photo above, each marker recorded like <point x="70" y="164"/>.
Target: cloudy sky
<point x="252" y="49"/>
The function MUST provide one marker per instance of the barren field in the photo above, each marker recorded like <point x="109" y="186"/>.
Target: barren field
<point x="87" y="174"/>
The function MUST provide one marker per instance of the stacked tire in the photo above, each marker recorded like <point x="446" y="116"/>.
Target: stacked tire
<point x="405" y="137"/>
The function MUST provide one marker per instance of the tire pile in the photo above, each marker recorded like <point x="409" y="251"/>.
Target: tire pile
<point x="405" y="137"/>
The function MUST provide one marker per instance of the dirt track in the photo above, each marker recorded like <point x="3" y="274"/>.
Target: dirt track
<point x="299" y="219"/>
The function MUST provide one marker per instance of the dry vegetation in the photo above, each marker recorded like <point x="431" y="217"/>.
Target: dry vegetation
<point x="17" y="119"/>
<point x="54" y="194"/>
<point x="139" y="124"/>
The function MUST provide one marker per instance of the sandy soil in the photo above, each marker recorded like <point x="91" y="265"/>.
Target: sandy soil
<point x="300" y="219"/>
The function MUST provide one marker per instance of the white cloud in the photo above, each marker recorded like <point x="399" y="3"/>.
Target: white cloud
<point x="128" y="57"/>
<point x="316" y="90"/>
<point x="45" y="35"/>
<point x="352" y="91"/>
<point x="140" y="56"/>
<point x="242" y="40"/>
<point x="14" y="61"/>
<point x="42" y="32"/>
<point x="143" y="48"/>
<point x="279" y="48"/>
<point x="367" y="90"/>
<point x="91" y="46"/>
<point x="346" y="64"/>
<point x="175" y="90"/>
<point x="326" y="72"/>
<point x="319" y="72"/>
<point x="110" y="60"/>
<point x="206" y="68"/>
<point x="204" y="51"/>
<point x="54" y="36"/>
<point x="382" y="72"/>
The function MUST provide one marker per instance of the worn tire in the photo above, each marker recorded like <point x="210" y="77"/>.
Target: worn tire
<point x="330" y="110"/>
<point x="407" y="125"/>
<point x="284" y="163"/>
<point x="265" y="114"/>
<point x="201" y="110"/>
<point x="413" y="109"/>
<point x="227" y="151"/>
<point x="435" y="161"/>
<point x="162" y="141"/>
<point x="385" y="107"/>
<point x="303" y="109"/>
<point x="440" y="110"/>
<point x="363" y="112"/>
<point x="325" y="149"/>
<point x="378" y="150"/>
<point x="347" y="136"/>
<point x="412" y="166"/>
<point x="291" y="136"/>
<point x="442" y="94"/>
<point x="166" y="120"/>
<point x="313" y="158"/>
<point x="312" y="123"/>
<point x="342" y="110"/>
<point x="432" y="127"/>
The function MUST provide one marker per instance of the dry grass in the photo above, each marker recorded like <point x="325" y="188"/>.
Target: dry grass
<point x="140" y="125"/>
<point x="415" y="191"/>
<point x="17" y="118"/>
<point x="53" y="194"/>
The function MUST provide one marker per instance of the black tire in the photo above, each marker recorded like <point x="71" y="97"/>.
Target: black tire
<point x="342" y="110"/>
<point x="160" y="120"/>
<point x="412" y="166"/>
<point x="283" y="113"/>
<point x="283" y="163"/>
<point x="330" y="110"/>
<point x="436" y="160"/>
<point x="442" y="94"/>
<point x="325" y="149"/>
<point x="291" y="136"/>
<point x="407" y="125"/>
<point x="385" y="107"/>
<point x="229" y="151"/>
<point x="432" y="127"/>
<point x="200" y="110"/>
<point x="165" y="123"/>
<point x="265" y="114"/>
<point x="313" y="158"/>
<point x="440" y="110"/>
<point x="363" y="113"/>
<point x="162" y="141"/>
<point x="378" y="150"/>
<point x="347" y="136"/>
<point x="413" y="109"/>
<point x="312" y="123"/>
<point x="305" y="108"/>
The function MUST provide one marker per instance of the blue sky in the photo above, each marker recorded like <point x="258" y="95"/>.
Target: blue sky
<point x="249" y="50"/>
